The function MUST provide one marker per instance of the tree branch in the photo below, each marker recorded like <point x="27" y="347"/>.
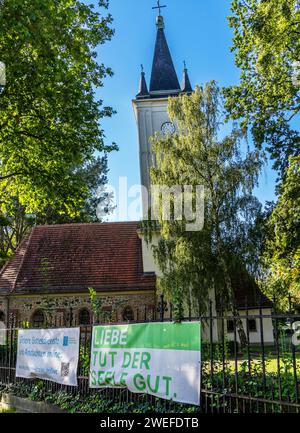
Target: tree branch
<point x="7" y="176"/>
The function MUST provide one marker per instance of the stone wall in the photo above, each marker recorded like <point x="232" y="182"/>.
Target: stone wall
<point x="24" y="405"/>
<point x="64" y="310"/>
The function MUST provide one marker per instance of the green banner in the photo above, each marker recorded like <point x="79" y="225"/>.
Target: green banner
<point x="183" y="336"/>
<point x="161" y="359"/>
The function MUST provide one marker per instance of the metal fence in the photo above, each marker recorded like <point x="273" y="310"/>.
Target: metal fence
<point x="256" y="377"/>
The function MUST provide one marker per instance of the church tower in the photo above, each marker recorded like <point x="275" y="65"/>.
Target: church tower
<point x="151" y="106"/>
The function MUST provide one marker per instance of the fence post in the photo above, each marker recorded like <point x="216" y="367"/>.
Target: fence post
<point x="277" y="345"/>
<point x="71" y="317"/>
<point x="235" y="352"/>
<point x="162" y="308"/>
<point x="262" y="342"/>
<point x="211" y="347"/>
<point x="223" y="355"/>
<point x="200" y="376"/>
<point x="10" y="352"/>
<point x="294" y="359"/>
<point x="248" y="336"/>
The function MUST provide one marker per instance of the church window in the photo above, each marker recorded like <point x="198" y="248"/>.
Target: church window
<point x="230" y="326"/>
<point x="252" y="325"/>
<point x="2" y="316"/>
<point x="84" y="317"/>
<point x="38" y="319"/>
<point x="128" y="315"/>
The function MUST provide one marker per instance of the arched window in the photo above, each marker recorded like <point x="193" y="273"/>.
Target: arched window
<point x="2" y="317"/>
<point x="128" y="315"/>
<point x="38" y="319"/>
<point x="84" y="317"/>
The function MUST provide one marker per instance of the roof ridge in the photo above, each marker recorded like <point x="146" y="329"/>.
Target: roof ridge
<point x="26" y="239"/>
<point x="87" y="224"/>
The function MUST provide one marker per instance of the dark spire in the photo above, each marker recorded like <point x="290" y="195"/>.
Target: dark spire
<point x="163" y="78"/>
<point x="143" y="89"/>
<point x="186" y="84"/>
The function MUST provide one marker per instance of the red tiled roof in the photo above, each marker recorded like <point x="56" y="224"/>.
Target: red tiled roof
<point x="73" y="257"/>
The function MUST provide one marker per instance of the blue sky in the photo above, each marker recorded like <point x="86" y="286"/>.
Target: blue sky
<point x="197" y="32"/>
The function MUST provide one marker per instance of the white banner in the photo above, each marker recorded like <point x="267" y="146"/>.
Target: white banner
<point x="50" y="354"/>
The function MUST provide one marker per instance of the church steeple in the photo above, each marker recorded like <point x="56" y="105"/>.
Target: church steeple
<point x="151" y="104"/>
<point x="186" y="84"/>
<point x="143" y="89"/>
<point x="164" y="80"/>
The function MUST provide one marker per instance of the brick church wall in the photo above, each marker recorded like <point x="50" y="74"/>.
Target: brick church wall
<point x="65" y="309"/>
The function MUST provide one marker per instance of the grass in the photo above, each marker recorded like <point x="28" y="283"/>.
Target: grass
<point x="256" y="383"/>
<point x="270" y="357"/>
<point x="270" y="365"/>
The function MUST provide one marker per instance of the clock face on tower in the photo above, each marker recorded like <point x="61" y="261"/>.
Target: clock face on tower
<point x="168" y="128"/>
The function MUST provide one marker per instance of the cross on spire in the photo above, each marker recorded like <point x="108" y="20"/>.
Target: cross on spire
<point x="159" y="7"/>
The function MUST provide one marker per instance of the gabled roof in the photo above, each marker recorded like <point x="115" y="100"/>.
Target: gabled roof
<point x="73" y="257"/>
<point x="163" y="78"/>
<point x="247" y="293"/>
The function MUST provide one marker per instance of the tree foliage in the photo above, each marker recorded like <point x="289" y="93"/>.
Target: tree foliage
<point x="282" y="248"/>
<point x="16" y="223"/>
<point x="267" y="46"/>
<point x="50" y="116"/>
<point x="52" y="151"/>
<point x="195" y="262"/>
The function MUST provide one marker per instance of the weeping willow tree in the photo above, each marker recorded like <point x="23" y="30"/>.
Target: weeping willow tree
<point x="195" y="263"/>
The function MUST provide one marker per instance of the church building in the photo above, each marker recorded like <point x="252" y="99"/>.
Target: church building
<point x="48" y="279"/>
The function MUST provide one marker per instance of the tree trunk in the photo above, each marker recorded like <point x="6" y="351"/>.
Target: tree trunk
<point x="240" y="329"/>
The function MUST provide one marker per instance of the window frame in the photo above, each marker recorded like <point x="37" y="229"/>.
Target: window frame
<point x="33" y="320"/>
<point x="84" y="311"/>
<point x="250" y="328"/>
<point x="128" y="307"/>
<point x="229" y="330"/>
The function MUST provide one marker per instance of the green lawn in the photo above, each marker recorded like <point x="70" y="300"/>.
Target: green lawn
<point x="286" y="362"/>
